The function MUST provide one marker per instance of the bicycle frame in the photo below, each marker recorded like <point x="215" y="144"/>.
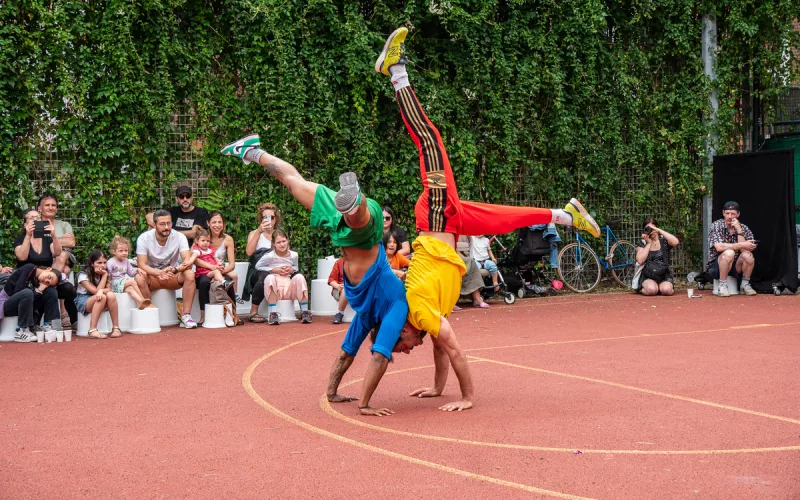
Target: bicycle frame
<point x="604" y="261"/>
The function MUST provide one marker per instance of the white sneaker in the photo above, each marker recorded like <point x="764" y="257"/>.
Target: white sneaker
<point x="187" y="322"/>
<point x="723" y="289"/>
<point x="24" y="335"/>
<point x="748" y="290"/>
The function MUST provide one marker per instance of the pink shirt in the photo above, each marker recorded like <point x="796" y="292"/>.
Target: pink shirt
<point x="117" y="270"/>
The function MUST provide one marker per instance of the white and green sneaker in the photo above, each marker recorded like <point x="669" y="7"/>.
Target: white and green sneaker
<point x="242" y="146"/>
<point x="349" y="196"/>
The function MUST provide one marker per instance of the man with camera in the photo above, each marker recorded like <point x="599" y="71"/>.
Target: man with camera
<point x="730" y="246"/>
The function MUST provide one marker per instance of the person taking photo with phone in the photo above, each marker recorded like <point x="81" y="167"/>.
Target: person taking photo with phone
<point x="730" y="250"/>
<point x="37" y="244"/>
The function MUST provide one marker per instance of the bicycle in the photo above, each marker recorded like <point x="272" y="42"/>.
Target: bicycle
<point x="580" y="268"/>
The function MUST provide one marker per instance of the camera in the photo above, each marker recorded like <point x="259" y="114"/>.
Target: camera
<point x="648" y="230"/>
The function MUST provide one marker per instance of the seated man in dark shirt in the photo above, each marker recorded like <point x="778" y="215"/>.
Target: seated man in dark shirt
<point x="186" y="217"/>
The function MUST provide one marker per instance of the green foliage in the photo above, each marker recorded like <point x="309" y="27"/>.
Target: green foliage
<point x="534" y="100"/>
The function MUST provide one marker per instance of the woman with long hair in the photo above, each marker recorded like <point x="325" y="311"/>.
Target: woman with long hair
<point x="259" y="242"/>
<point x="390" y="226"/>
<point x="95" y="295"/>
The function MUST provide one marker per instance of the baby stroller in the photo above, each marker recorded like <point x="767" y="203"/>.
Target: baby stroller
<point x="525" y="267"/>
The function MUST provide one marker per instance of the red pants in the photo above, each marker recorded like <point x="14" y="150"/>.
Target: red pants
<point x="439" y="208"/>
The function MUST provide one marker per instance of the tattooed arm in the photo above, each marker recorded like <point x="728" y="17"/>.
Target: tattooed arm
<point x="303" y="190"/>
<point x="340" y="366"/>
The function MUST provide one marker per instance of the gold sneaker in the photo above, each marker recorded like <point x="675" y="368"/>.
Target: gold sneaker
<point x="393" y="52"/>
<point x="581" y="219"/>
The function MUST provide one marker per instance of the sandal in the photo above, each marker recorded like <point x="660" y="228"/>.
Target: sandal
<point x="482" y="305"/>
<point x="257" y="318"/>
<point x="145" y="304"/>
<point x="66" y="324"/>
<point x="115" y="332"/>
<point x="94" y="333"/>
<point x="456" y="309"/>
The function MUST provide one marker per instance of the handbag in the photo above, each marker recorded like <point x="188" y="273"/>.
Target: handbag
<point x="218" y="294"/>
<point x="655" y="270"/>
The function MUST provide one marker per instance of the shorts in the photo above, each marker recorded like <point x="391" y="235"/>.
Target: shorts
<point x="713" y="268"/>
<point x="80" y="302"/>
<point x="379" y="302"/>
<point x="487" y="264"/>
<point x="118" y="285"/>
<point x="433" y="283"/>
<point x="155" y="283"/>
<point x="325" y="215"/>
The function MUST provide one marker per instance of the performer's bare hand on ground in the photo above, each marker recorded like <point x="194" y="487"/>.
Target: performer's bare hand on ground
<point x="376" y="412"/>
<point x="459" y="405"/>
<point x="337" y="398"/>
<point x="425" y="392"/>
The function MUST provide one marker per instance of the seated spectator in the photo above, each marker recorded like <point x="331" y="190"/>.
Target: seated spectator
<point x="157" y="253"/>
<point x="397" y="261"/>
<point x="730" y="250"/>
<point x="186" y="218"/>
<point x="389" y="225"/>
<point x="48" y="207"/>
<point x="42" y="250"/>
<point x="283" y="281"/>
<point x="29" y="294"/>
<point x="336" y="282"/>
<point x="471" y="282"/>
<point x="259" y="242"/>
<point x="653" y="255"/>
<point x="206" y="265"/>
<point x="481" y="252"/>
<point x="95" y="295"/>
<point x="224" y="250"/>
<point x="122" y="274"/>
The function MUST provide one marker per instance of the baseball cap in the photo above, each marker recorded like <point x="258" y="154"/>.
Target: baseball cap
<point x="731" y="205"/>
<point x="183" y="190"/>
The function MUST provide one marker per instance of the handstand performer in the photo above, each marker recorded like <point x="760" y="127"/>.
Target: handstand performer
<point x="375" y="293"/>
<point x="434" y="278"/>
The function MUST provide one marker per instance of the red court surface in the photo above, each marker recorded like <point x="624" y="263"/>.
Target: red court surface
<point x="664" y="398"/>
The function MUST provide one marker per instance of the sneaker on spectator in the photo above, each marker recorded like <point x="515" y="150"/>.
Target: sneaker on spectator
<point x="305" y="317"/>
<point x="24" y="335"/>
<point x="46" y="328"/>
<point x="338" y="318"/>
<point x="274" y="319"/>
<point x="748" y="290"/>
<point x="187" y="321"/>
<point x="723" y="289"/>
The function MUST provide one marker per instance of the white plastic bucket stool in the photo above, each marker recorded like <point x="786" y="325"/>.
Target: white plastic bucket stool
<point x="125" y="304"/>
<point x="215" y="317"/>
<point x="322" y="302"/>
<point x="324" y="268"/>
<point x="241" y="271"/>
<point x="8" y="329"/>
<point x="145" y="321"/>
<point x="103" y="324"/>
<point x="733" y="286"/>
<point x="164" y="300"/>
<point x="349" y="314"/>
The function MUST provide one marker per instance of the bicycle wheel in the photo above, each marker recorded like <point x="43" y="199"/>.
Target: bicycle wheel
<point x="579" y="275"/>
<point x="623" y="260"/>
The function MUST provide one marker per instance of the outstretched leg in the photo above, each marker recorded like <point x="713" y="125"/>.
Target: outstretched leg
<point x="439" y="208"/>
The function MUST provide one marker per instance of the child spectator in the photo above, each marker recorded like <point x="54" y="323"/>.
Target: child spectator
<point x="95" y="296"/>
<point x="284" y="282"/>
<point x="481" y="251"/>
<point x="336" y="282"/>
<point x="204" y="260"/>
<point x="122" y="273"/>
<point x="397" y="261"/>
<point x="30" y="293"/>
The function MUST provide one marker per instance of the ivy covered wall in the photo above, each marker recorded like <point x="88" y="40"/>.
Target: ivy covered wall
<point x="537" y="101"/>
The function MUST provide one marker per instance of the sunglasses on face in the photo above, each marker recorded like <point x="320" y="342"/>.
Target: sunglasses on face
<point x="387" y="218"/>
<point x="184" y="196"/>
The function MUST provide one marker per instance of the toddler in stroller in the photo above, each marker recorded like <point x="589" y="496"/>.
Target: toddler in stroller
<point x="525" y="267"/>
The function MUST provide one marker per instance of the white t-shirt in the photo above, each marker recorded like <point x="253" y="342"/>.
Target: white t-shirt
<point x="479" y="248"/>
<point x="81" y="290"/>
<point x="159" y="257"/>
<point x="271" y="261"/>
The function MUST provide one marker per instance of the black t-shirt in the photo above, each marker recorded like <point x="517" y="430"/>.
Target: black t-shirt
<point x="661" y="255"/>
<point x="185" y="221"/>
<point x="22" y="278"/>
<point x="44" y="258"/>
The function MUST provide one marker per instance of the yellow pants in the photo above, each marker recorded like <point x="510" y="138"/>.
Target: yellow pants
<point x="433" y="283"/>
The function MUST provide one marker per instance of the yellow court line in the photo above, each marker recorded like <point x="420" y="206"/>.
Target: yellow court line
<point x="325" y="405"/>
<point x="248" y="387"/>
<point x="624" y="337"/>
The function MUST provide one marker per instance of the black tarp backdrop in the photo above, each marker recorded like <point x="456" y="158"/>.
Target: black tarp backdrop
<point x="763" y="185"/>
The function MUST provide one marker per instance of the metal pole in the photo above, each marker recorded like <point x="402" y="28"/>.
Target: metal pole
<point x="709" y="48"/>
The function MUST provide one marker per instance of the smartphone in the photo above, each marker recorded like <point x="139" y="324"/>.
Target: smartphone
<point x="38" y="228"/>
<point x="756" y="242"/>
